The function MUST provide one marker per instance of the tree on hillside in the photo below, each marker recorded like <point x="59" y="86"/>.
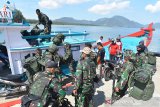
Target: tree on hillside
<point x="18" y="16"/>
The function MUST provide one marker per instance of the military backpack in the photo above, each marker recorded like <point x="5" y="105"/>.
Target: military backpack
<point x="141" y="85"/>
<point x="39" y="93"/>
<point x="58" y="39"/>
<point x="32" y="65"/>
<point x="151" y="58"/>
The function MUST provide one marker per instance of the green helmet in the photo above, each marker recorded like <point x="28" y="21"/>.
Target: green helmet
<point x="58" y="39"/>
<point x="53" y="48"/>
<point x="60" y="36"/>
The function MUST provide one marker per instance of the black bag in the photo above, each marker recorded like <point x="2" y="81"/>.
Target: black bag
<point x="26" y="100"/>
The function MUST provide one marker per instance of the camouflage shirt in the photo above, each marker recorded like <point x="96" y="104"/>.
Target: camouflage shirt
<point x="68" y="56"/>
<point x="43" y="19"/>
<point x="128" y="67"/>
<point x="53" y="57"/>
<point x="141" y="59"/>
<point x="84" y="75"/>
<point x="44" y="81"/>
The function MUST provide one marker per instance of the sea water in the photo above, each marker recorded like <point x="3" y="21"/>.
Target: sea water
<point x="113" y="32"/>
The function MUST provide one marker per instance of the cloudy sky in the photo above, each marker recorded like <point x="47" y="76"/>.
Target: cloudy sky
<point x="143" y="11"/>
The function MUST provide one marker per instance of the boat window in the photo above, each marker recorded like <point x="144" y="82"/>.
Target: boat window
<point x="75" y="48"/>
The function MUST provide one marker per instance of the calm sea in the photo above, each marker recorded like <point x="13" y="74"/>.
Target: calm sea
<point x="109" y="32"/>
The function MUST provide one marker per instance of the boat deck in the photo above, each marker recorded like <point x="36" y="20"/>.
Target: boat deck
<point x="103" y="94"/>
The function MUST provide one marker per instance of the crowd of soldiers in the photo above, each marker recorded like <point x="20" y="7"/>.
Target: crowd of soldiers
<point x="84" y="75"/>
<point x="48" y="83"/>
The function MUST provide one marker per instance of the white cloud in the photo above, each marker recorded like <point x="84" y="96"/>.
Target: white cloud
<point x="52" y="4"/>
<point x="153" y="8"/>
<point x="109" y="6"/>
<point x="75" y="1"/>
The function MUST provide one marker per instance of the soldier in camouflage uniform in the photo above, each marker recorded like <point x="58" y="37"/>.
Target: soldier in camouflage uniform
<point x="128" y="67"/>
<point x="45" y="88"/>
<point x="146" y="59"/>
<point x="44" y="20"/>
<point x="52" y="54"/>
<point x="93" y="55"/>
<point x="134" y="62"/>
<point x="84" y="88"/>
<point x="68" y="58"/>
<point x="33" y="64"/>
<point x="141" y="56"/>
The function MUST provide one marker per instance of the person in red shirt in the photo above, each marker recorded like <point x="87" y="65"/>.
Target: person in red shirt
<point x="113" y="49"/>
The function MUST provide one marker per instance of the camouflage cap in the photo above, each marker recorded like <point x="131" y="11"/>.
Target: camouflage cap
<point x="86" y="50"/>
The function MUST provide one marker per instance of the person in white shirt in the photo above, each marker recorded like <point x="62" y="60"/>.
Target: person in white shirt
<point x="119" y="43"/>
<point x="100" y="39"/>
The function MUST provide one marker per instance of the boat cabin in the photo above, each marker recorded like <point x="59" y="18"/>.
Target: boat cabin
<point x="18" y="48"/>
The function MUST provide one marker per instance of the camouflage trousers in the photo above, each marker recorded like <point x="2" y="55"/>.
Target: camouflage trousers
<point x="71" y="68"/>
<point x="84" y="100"/>
<point x="29" y="76"/>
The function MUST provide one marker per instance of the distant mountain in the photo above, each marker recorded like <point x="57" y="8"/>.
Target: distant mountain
<point x="70" y="20"/>
<point x="116" y="21"/>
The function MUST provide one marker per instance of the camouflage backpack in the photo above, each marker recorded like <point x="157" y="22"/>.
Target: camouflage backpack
<point x="141" y="85"/>
<point x="38" y="92"/>
<point x="36" y="31"/>
<point x="32" y="65"/>
<point x="58" y="39"/>
<point x="151" y="58"/>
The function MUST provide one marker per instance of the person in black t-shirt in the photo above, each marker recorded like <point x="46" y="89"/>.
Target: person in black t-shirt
<point x="100" y="59"/>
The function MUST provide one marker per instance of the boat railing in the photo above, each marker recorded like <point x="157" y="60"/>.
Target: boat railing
<point x="6" y="16"/>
